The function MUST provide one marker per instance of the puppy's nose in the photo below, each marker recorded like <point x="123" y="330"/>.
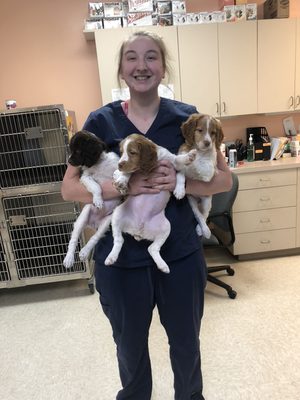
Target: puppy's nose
<point x="121" y="165"/>
<point x="206" y="143"/>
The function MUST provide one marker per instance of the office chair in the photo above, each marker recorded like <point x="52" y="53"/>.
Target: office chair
<point x="222" y="232"/>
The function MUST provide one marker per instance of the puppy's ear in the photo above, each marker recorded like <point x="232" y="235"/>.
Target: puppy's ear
<point x="188" y="128"/>
<point x="219" y="135"/>
<point x="148" y="156"/>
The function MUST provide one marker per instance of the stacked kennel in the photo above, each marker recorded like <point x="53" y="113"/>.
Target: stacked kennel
<point x="35" y="222"/>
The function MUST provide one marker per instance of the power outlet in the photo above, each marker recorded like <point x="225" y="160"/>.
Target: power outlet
<point x="289" y="126"/>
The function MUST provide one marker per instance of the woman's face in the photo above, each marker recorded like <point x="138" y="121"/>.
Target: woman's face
<point x="142" y="66"/>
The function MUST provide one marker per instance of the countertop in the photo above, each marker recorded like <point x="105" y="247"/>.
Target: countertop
<point x="264" y="166"/>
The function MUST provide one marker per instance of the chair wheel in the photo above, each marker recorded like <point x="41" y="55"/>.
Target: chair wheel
<point x="232" y="294"/>
<point x="230" y="271"/>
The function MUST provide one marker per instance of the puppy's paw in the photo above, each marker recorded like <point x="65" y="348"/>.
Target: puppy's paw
<point x="179" y="193"/>
<point x="110" y="259"/>
<point x="98" y="202"/>
<point x="205" y="231"/>
<point x="120" y="182"/>
<point x="191" y="156"/>
<point x="68" y="261"/>
<point x="164" y="268"/>
<point x="84" y="254"/>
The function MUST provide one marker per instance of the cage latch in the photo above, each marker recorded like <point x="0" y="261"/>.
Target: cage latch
<point x="34" y="132"/>
<point x="16" y="220"/>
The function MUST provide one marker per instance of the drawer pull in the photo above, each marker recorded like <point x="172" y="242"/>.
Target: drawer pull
<point x="264" y="179"/>
<point x="265" y="220"/>
<point x="267" y="198"/>
<point x="265" y="241"/>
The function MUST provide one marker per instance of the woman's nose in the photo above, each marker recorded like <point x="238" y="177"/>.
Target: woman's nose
<point x="141" y="64"/>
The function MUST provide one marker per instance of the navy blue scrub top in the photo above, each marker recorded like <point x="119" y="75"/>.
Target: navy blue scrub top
<point x="112" y="125"/>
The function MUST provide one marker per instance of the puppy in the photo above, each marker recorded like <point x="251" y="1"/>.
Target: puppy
<point x="143" y="216"/>
<point x="97" y="165"/>
<point x="203" y="133"/>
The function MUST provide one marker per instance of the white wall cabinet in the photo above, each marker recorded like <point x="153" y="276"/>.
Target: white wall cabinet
<point x="218" y="67"/>
<point x="297" y="75"/>
<point x="278" y="65"/>
<point x="199" y="71"/>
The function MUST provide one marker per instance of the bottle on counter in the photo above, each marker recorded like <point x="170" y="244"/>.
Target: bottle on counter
<point x="250" y="149"/>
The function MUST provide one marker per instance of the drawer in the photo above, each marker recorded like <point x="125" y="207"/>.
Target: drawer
<point x="248" y="243"/>
<point x="260" y="199"/>
<point x="264" y="220"/>
<point x="268" y="179"/>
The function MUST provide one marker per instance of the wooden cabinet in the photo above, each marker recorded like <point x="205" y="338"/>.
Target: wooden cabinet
<point x="278" y="65"/>
<point x="238" y="68"/>
<point x="199" y="71"/>
<point x="265" y="212"/>
<point x="108" y="42"/>
<point x="218" y="67"/>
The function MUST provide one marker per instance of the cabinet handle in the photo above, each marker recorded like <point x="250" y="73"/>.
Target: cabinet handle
<point x="224" y="106"/>
<point x="291" y="102"/>
<point x="264" y="179"/>
<point x="264" y="220"/>
<point x="297" y="101"/>
<point x="265" y="241"/>
<point x="267" y="198"/>
<point x="217" y="104"/>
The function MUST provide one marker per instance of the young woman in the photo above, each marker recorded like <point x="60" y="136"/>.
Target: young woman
<point x="133" y="286"/>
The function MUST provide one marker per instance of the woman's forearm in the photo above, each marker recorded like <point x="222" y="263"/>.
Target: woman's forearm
<point x="221" y="182"/>
<point x="73" y="190"/>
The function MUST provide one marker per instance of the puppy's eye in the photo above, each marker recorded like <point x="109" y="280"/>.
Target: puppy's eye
<point x="199" y="130"/>
<point x="132" y="152"/>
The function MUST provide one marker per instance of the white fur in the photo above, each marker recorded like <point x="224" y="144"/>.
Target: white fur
<point x="143" y="216"/>
<point x="97" y="215"/>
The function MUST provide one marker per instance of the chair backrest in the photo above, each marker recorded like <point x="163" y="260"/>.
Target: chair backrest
<point x="219" y="219"/>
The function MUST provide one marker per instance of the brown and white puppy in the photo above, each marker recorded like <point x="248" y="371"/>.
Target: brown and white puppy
<point x="143" y="216"/>
<point x="204" y="134"/>
<point x="89" y="153"/>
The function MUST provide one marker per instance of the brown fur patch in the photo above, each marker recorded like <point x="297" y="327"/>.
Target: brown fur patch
<point x="142" y="154"/>
<point x="190" y="130"/>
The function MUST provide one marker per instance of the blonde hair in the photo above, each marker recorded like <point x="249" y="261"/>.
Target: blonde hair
<point x="158" y="40"/>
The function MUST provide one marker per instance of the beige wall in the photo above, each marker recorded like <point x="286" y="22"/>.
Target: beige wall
<point x="45" y="59"/>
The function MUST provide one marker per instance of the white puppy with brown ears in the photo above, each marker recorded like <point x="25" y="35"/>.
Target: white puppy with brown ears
<point x="204" y="134"/>
<point x="143" y="216"/>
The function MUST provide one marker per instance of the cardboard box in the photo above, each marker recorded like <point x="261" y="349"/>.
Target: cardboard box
<point x="251" y="11"/>
<point x="276" y="9"/>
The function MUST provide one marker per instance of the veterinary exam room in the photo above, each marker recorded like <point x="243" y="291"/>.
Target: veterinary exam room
<point x="135" y="136"/>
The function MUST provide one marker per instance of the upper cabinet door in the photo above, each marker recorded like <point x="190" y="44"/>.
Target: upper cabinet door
<point x="276" y="65"/>
<point x="199" y="74"/>
<point x="297" y="77"/>
<point x="108" y="42"/>
<point x="238" y="67"/>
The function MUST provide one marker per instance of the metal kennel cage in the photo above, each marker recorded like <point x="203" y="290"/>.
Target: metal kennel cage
<point x="38" y="229"/>
<point x="35" y="222"/>
<point x="33" y="146"/>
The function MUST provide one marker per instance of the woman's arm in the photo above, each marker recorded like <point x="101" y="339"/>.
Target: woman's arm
<point x="73" y="190"/>
<point x="221" y="182"/>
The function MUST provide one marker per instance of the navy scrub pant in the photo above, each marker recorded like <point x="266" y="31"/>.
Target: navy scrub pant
<point x="128" y="296"/>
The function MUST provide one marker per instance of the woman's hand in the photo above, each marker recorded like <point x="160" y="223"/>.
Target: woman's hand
<point x="162" y="178"/>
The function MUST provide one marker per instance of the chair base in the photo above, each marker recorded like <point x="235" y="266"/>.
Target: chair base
<point x="231" y="293"/>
